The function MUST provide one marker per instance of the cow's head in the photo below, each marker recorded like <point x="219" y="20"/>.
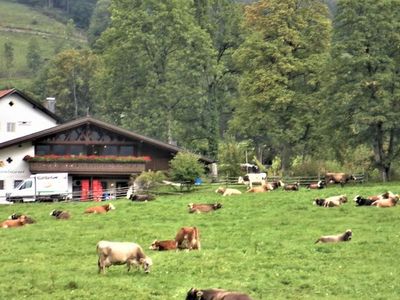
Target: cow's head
<point x="194" y="294"/>
<point x="217" y="205"/>
<point x="155" y="245"/>
<point x="146" y="262"/>
<point x="15" y="216"/>
<point x="109" y="206"/>
<point x="220" y="190"/>
<point x="343" y="198"/>
<point x="347" y="235"/>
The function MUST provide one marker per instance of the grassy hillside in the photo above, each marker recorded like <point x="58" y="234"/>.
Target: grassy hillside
<point x="18" y="25"/>
<point x="262" y="244"/>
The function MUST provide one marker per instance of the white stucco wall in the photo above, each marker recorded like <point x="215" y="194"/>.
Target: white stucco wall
<point x="27" y="119"/>
<point x="18" y="169"/>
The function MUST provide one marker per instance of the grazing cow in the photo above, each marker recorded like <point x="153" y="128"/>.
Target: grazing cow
<point x="60" y="214"/>
<point x="16" y="216"/>
<point x="362" y="201"/>
<point x="120" y="253"/>
<point x="143" y="197"/>
<point x="215" y="294"/>
<point x="335" y="201"/>
<point x="344" y="237"/>
<point x="316" y="185"/>
<point x="188" y="238"/>
<point x="99" y="209"/>
<point x="199" y="208"/>
<point x="251" y="178"/>
<point x="10" y="223"/>
<point x="290" y="187"/>
<point x="339" y="178"/>
<point x="163" y="245"/>
<point x="227" y="191"/>
<point x="389" y="202"/>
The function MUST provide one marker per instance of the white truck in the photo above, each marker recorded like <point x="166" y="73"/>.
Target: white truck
<point x="42" y="187"/>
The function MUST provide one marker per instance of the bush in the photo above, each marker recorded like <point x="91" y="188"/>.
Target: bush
<point x="185" y="167"/>
<point x="148" y="179"/>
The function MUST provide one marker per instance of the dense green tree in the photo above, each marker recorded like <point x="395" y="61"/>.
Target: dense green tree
<point x="99" y="21"/>
<point x="365" y="76"/>
<point x="33" y="57"/>
<point x="67" y="78"/>
<point x="154" y="57"/>
<point x="8" y="55"/>
<point x="281" y="60"/>
<point x="220" y="19"/>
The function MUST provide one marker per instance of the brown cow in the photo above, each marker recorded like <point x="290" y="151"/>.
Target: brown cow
<point x="344" y="237"/>
<point x="290" y="187"/>
<point x="385" y="195"/>
<point x="215" y="294"/>
<point x="188" y="238"/>
<point x="316" y="185"/>
<point x="99" y="209"/>
<point x="199" y="208"/>
<point x="339" y="178"/>
<point x="259" y="189"/>
<point x="16" y="216"/>
<point x="390" y="202"/>
<point x="163" y="245"/>
<point x="60" y="214"/>
<point x="21" y="221"/>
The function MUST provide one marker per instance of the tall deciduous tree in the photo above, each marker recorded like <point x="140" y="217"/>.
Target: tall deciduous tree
<point x="68" y="79"/>
<point x="366" y="77"/>
<point x="154" y="58"/>
<point x="33" y="57"/>
<point x="281" y="60"/>
<point x="8" y="56"/>
<point x="220" y="19"/>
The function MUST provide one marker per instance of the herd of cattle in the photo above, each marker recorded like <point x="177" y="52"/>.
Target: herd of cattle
<point x="188" y="238"/>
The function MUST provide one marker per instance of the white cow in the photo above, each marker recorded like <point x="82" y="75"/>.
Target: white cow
<point x="251" y="178"/>
<point x="120" y="253"/>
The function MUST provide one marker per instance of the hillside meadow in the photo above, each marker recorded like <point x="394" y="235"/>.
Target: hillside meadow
<point x="262" y="244"/>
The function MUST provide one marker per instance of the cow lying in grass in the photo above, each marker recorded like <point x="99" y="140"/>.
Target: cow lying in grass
<point x="227" y="191"/>
<point x="142" y="197"/>
<point x="99" y="209"/>
<point x="16" y="216"/>
<point x="331" y="201"/>
<point x="390" y="202"/>
<point x="60" y="214"/>
<point x="199" y="208"/>
<point x="360" y="201"/>
<point x="20" y="221"/>
<point x="163" y="245"/>
<point x="215" y="294"/>
<point x="290" y="187"/>
<point x="120" y="253"/>
<point x="316" y="185"/>
<point x="344" y="237"/>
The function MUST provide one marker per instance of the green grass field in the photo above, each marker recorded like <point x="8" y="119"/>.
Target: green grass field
<point x="262" y="244"/>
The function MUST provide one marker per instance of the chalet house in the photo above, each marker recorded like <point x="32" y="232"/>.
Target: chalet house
<point x="96" y="155"/>
<point x="20" y="115"/>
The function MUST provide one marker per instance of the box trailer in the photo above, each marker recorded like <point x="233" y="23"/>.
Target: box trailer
<point x="42" y="187"/>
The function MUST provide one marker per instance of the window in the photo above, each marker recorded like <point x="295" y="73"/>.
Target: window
<point x="77" y="150"/>
<point x="1" y="184"/>
<point x="110" y="150"/>
<point x="26" y="185"/>
<point x="17" y="183"/>
<point x="126" y="151"/>
<point x="42" y="149"/>
<point x="10" y="127"/>
<point x="59" y="149"/>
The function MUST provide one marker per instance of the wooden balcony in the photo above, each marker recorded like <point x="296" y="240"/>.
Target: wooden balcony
<point x="87" y="168"/>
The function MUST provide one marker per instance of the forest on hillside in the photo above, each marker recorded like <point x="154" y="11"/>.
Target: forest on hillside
<point x="299" y="85"/>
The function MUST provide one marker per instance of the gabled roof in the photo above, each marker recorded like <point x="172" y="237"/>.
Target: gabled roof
<point x="35" y="104"/>
<point x="91" y="121"/>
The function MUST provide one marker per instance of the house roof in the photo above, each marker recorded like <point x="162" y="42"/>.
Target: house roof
<point x="91" y="121"/>
<point x="35" y="104"/>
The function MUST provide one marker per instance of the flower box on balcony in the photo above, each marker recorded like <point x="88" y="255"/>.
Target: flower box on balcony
<point x="99" y="165"/>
